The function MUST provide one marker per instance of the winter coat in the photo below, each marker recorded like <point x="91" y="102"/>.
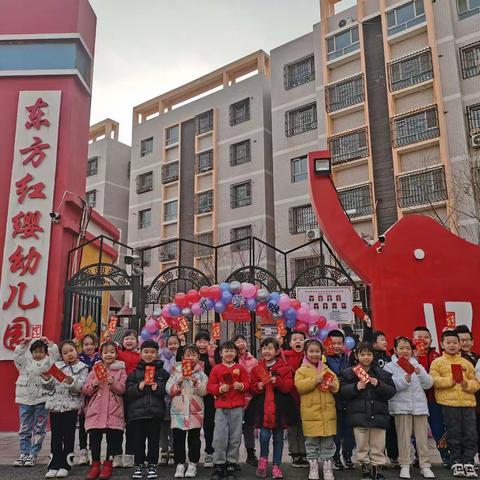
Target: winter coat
<point x="232" y="398"/>
<point x="169" y="360"/>
<point x="89" y="361"/>
<point x="273" y="406"/>
<point x="337" y="363"/>
<point x="247" y="361"/>
<point x="28" y="390"/>
<point x="456" y="396"/>
<point x="426" y="361"/>
<point x="105" y="407"/>
<point x="294" y="359"/>
<point x="410" y="398"/>
<point x="369" y="407"/>
<point x="62" y="396"/>
<point x="187" y="407"/>
<point x="317" y="408"/>
<point x="130" y="358"/>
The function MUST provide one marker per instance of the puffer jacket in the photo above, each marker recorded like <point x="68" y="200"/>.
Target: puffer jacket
<point x="317" y="408"/>
<point x="456" y="396"/>
<point x="187" y="407"/>
<point x="410" y="398"/>
<point x="89" y="361"/>
<point x="368" y="407"/>
<point x="28" y="390"/>
<point x="247" y="361"/>
<point x="62" y="396"/>
<point x="426" y="362"/>
<point x="146" y="403"/>
<point x="105" y="407"/>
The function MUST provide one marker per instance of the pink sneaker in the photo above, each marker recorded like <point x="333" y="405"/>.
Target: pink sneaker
<point x="276" y="472"/>
<point x="262" y="467"/>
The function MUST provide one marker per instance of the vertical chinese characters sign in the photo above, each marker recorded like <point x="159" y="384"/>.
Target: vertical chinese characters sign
<point x="27" y="234"/>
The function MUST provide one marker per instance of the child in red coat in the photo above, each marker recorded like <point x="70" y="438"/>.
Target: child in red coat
<point x="272" y="407"/>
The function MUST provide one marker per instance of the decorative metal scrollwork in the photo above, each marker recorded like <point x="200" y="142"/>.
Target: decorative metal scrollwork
<point x="100" y="276"/>
<point x="256" y="275"/>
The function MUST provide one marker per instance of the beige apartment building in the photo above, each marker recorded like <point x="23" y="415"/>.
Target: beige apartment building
<point x="392" y="89"/>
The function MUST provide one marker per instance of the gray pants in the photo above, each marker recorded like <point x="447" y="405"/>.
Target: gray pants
<point x="320" y="448"/>
<point x="227" y="435"/>
<point x="296" y="440"/>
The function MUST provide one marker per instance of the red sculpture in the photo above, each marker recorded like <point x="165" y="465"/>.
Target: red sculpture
<point x="417" y="274"/>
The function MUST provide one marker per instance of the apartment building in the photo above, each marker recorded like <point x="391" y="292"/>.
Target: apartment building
<point x="392" y="89"/>
<point x="108" y="182"/>
<point x="201" y="168"/>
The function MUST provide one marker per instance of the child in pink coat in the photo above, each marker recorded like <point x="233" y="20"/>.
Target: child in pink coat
<point x="104" y="414"/>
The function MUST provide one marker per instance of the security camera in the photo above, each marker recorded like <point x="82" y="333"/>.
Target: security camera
<point x="130" y="259"/>
<point x="381" y="238"/>
<point x="55" y="217"/>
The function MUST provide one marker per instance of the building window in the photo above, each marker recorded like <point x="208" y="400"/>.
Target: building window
<point x="204" y="202"/>
<point x="240" y="153"/>
<point x="301" y="219"/>
<point x="238" y="235"/>
<point x="169" y="172"/>
<point x="344" y="93"/>
<point x="146" y="146"/>
<point x="92" y="166"/>
<point x="146" y="255"/>
<point x="298" y="168"/>
<point x="348" y="146"/>
<point x="473" y="118"/>
<point x="241" y="194"/>
<point x="301" y="120"/>
<point x="411" y="69"/>
<point x="144" y="218"/>
<point x="343" y="43"/>
<point x="91" y="198"/>
<point x="467" y="8"/>
<point x="204" y="250"/>
<point x="170" y="210"/>
<point x="299" y="72"/>
<point x="405" y="16"/>
<point x="301" y="265"/>
<point x="240" y="112"/>
<point x="167" y="252"/>
<point x="171" y="135"/>
<point x="470" y="56"/>
<point x="421" y="188"/>
<point x="204" y="161"/>
<point x="204" y="122"/>
<point x="356" y="201"/>
<point x="415" y="127"/>
<point x="144" y="182"/>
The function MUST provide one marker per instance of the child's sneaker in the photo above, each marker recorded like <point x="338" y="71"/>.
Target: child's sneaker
<point x="327" y="470"/>
<point x="180" y="471"/>
<point x="303" y="461"/>
<point x="208" y="462"/>
<point x="262" y="467"/>
<point x="277" y="472"/>
<point x="458" y="470"/>
<point x="83" y="457"/>
<point x="337" y="462"/>
<point x="230" y="471"/>
<point x="405" y="471"/>
<point x="191" y="470"/>
<point x="62" y="473"/>
<point x="251" y="457"/>
<point x="347" y="461"/>
<point x="128" y="461"/>
<point x="218" y="472"/>
<point x="152" y="472"/>
<point x="138" y="472"/>
<point x="296" y="461"/>
<point x="118" y="461"/>
<point x="30" y="461"/>
<point x="171" y="459"/>
<point x="20" y="460"/>
<point x="51" y="473"/>
<point x="377" y="473"/>
<point x="163" y="459"/>
<point x="469" y="470"/>
<point x="313" y="473"/>
<point x="427" y="472"/>
<point x="366" y="472"/>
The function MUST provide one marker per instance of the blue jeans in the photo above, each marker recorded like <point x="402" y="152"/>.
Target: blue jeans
<point x="265" y="435"/>
<point x="33" y="427"/>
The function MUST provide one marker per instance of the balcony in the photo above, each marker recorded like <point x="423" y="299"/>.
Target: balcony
<point x="414" y="127"/>
<point x="421" y="188"/>
<point x="169" y="172"/>
<point x="204" y="202"/>
<point x="344" y="93"/>
<point x="410" y="70"/>
<point x="348" y="146"/>
<point x="357" y="201"/>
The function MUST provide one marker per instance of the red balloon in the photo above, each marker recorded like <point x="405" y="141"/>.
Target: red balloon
<point x="321" y="322"/>
<point x="301" y="327"/>
<point x="261" y="310"/>
<point x="181" y="300"/>
<point x="215" y="293"/>
<point x="295" y="304"/>
<point x="204" y="291"/>
<point x="193" y="296"/>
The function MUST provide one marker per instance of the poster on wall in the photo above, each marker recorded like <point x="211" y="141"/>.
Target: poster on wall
<point x="334" y="303"/>
<point x="27" y="234"/>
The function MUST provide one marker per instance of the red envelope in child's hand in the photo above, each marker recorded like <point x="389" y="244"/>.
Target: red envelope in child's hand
<point x="328" y="346"/>
<point x="162" y="324"/>
<point x="56" y="373"/>
<point x="112" y="324"/>
<point x="227" y="378"/>
<point x="281" y="329"/>
<point x="149" y="374"/>
<point x="77" y="331"/>
<point x="361" y="374"/>
<point x="262" y="374"/>
<point x="420" y="346"/>
<point x="36" y="331"/>
<point x="183" y="325"/>
<point x="457" y="372"/>
<point x="216" y="331"/>
<point x="406" y="365"/>
<point x="450" y="320"/>
<point x="187" y="368"/>
<point x="100" y="371"/>
<point x="358" y="312"/>
<point x="326" y="382"/>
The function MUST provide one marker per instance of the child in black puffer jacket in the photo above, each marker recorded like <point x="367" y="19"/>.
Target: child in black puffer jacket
<point x="367" y="407"/>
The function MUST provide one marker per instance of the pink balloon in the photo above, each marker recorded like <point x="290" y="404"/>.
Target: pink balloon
<point x="248" y="290"/>
<point x="332" y="325"/>
<point x="196" y="308"/>
<point x="284" y="302"/>
<point x="165" y="312"/>
<point x="313" y="317"/>
<point x="302" y="314"/>
<point x="305" y="305"/>
<point x="151" y="326"/>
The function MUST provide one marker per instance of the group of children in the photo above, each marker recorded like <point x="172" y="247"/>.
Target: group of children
<point x="331" y="402"/>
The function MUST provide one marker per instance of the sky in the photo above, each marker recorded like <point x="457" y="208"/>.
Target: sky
<point x="148" y="47"/>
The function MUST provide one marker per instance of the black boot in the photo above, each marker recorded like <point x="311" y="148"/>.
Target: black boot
<point x="366" y="472"/>
<point x="347" y="460"/>
<point x="251" y="457"/>
<point x="337" y="462"/>
<point x="230" y="472"/>
<point x="218" y="472"/>
<point x="377" y="473"/>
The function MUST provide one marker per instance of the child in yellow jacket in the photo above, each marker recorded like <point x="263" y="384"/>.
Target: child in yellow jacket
<point x="457" y="398"/>
<point x="316" y="384"/>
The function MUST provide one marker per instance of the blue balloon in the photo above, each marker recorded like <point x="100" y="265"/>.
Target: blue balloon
<point x="225" y="286"/>
<point x="251" y="304"/>
<point x="174" y="310"/>
<point x="219" y="307"/>
<point x="349" y="343"/>
<point x="273" y="307"/>
<point x="290" y="314"/>
<point x="145" y="335"/>
<point x="209" y="303"/>
<point x="274" y="297"/>
<point x="226" y="296"/>
<point x="323" y="334"/>
<point x="289" y="322"/>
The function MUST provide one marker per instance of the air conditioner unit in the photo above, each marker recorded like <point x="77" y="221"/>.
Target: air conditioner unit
<point x="475" y="140"/>
<point x="345" y="21"/>
<point x="313" y="233"/>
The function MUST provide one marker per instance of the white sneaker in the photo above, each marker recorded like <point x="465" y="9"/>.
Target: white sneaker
<point x="191" y="470"/>
<point x="62" y="473"/>
<point x="128" y="461"/>
<point x="117" y="461"/>
<point x="328" y="470"/>
<point x="82" y="458"/>
<point x="30" y="461"/>
<point x="313" y="474"/>
<point x="427" y="472"/>
<point x="405" y="471"/>
<point x="469" y="470"/>
<point x="208" y="462"/>
<point x="51" y="474"/>
<point x="180" y="471"/>
<point x="20" y="460"/>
